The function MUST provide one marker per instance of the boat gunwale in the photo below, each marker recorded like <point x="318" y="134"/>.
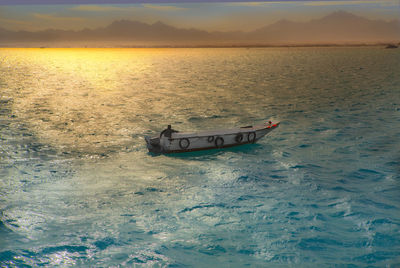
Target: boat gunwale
<point x="225" y="132"/>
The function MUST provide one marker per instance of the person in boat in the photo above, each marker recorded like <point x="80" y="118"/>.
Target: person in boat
<point x="167" y="132"/>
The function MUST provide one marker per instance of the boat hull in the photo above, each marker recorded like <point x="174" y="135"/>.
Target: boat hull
<point x="189" y="142"/>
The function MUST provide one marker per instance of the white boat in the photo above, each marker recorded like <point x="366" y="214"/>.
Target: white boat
<point x="172" y="141"/>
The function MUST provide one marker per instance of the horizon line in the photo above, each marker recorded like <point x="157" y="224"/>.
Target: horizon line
<point x="100" y="2"/>
<point x="259" y="45"/>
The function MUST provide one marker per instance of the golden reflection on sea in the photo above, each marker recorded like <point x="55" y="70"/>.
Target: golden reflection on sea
<point x="82" y="99"/>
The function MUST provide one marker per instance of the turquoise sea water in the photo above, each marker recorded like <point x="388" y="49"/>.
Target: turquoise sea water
<point x="78" y="187"/>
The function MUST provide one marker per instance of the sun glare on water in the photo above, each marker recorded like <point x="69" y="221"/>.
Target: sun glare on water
<point x="80" y="98"/>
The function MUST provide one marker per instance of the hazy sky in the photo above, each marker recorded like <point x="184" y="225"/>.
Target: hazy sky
<point x="209" y="16"/>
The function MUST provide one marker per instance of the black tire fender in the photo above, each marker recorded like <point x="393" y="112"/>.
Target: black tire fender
<point x="184" y="143"/>
<point x="219" y="142"/>
<point x="210" y="138"/>
<point x="239" y="138"/>
<point x="251" y="137"/>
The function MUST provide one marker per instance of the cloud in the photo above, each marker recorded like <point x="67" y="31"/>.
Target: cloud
<point x="343" y="3"/>
<point x="99" y="8"/>
<point x="52" y="17"/>
<point x="251" y="4"/>
<point x="12" y="21"/>
<point x="164" y="7"/>
<point x="392" y="3"/>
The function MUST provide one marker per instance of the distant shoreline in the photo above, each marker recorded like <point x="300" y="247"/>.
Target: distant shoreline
<point x="336" y="29"/>
<point x="30" y="45"/>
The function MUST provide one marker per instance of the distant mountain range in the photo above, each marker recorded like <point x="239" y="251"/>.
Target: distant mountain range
<point x="337" y="28"/>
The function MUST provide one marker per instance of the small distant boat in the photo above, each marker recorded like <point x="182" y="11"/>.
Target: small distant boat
<point x="172" y="141"/>
<point x="391" y="46"/>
